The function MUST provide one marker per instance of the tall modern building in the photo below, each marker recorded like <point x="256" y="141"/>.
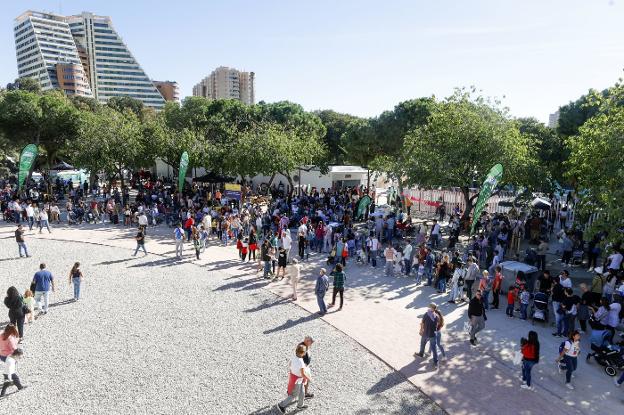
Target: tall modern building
<point x="553" y="119"/>
<point x="227" y="83"/>
<point x="169" y="90"/>
<point x="84" y="46"/>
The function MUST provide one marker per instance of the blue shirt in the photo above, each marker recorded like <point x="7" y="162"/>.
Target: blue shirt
<point x="42" y="280"/>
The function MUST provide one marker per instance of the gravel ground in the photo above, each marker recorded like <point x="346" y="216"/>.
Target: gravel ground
<point x="152" y="338"/>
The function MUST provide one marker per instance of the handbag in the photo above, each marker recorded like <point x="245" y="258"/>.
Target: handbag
<point x="467" y="327"/>
<point x="517" y="358"/>
<point x="25" y="309"/>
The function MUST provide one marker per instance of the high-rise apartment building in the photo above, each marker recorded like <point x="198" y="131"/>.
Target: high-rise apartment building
<point x="227" y="83"/>
<point x="46" y="51"/>
<point x="85" y="47"/>
<point x="169" y="90"/>
<point x="553" y="119"/>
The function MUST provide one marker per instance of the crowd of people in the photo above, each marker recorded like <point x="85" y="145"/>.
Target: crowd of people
<point x="278" y="232"/>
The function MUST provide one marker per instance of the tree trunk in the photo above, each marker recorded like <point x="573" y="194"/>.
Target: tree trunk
<point x="291" y="184"/>
<point x="368" y="181"/>
<point x="468" y="200"/>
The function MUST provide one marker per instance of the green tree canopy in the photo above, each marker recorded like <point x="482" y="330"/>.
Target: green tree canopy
<point x="595" y="164"/>
<point x="463" y="138"/>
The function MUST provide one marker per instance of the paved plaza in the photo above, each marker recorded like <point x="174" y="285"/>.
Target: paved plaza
<point x="153" y="335"/>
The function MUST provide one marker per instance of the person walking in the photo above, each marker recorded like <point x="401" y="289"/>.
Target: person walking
<point x="140" y="241"/>
<point x="530" y="349"/>
<point x="21" y="243"/>
<point x="30" y="215"/>
<point x="178" y="236"/>
<point x="542" y="250"/>
<point x="389" y="254"/>
<point x="496" y="286"/>
<point x="10" y="372"/>
<point x="15" y="304"/>
<point x="299" y="375"/>
<point x="438" y="335"/>
<point x="428" y="328"/>
<point x="307" y="359"/>
<point x="320" y="289"/>
<point x="339" y="281"/>
<point x="265" y="255"/>
<point x="471" y="275"/>
<point x="295" y="274"/>
<point x="75" y="279"/>
<point x="569" y="354"/>
<point x="9" y="339"/>
<point x="43" y="221"/>
<point x="476" y="315"/>
<point x="43" y="281"/>
<point x="374" y="249"/>
<point x="485" y="285"/>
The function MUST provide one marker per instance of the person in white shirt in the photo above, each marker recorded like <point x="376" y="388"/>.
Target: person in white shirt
<point x="43" y="221"/>
<point x="287" y="243"/>
<point x="30" y="215"/>
<point x="615" y="260"/>
<point x="299" y="375"/>
<point x="569" y="354"/>
<point x="435" y="234"/>
<point x="564" y="279"/>
<point x="407" y="258"/>
<point x="295" y="274"/>
<point x="10" y="372"/>
<point x="143" y="222"/>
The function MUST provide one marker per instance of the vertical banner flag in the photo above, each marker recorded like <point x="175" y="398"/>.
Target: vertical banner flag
<point x="487" y="188"/>
<point x="365" y="201"/>
<point x="27" y="158"/>
<point x="184" y="161"/>
<point x="233" y="191"/>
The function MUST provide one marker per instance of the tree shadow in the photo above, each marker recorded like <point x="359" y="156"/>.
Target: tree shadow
<point x="292" y="323"/>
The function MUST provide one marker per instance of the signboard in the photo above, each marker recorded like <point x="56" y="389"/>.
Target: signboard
<point x="27" y="158"/>
<point x="232" y="191"/>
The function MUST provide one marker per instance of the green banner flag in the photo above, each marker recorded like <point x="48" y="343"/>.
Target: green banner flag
<point x="27" y="158"/>
<point x="184" y="162"/>
<point x="490" y="182"/>
<point x="365" y="201"/>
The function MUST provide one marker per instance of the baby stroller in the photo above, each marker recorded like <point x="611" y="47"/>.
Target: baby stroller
<point x="609" y="356"/>
<point x="539" y="310"/>
<point x="332" y="256"/>
<point x="577" y="256"/>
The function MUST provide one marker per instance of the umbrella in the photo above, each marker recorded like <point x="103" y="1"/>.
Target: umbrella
<point x="62" y="166"/>
<point x="212" y="177"/>
<point x="539" y="203"/>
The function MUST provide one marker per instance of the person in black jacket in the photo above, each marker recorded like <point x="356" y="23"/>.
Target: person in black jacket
<point x="15" y="304"/>
<point x="476" y="314"/>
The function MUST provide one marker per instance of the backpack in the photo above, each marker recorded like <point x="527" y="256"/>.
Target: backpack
<point x="562" y="346"/>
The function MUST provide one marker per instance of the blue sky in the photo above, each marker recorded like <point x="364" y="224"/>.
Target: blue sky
<point x="365" y="56"/>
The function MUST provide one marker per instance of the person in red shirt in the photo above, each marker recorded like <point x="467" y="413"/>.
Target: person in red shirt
<point x="496" y="286"/>
<point x="511" y="299"/>
<point x="530" y="349"/>
<point x="188" y="227"/>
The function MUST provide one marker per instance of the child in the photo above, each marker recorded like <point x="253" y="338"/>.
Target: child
<point x="203" y="236"/>
<point x="511" y="298"/>
<point x="524" y="303"/>
<point x="10" y="372"/>
<point x="244" y="249"/>
<point x="420" y="273"/>
<point x="361" y="257"/>
<point x="29" y="302"/>
<point x="239" y="245"/>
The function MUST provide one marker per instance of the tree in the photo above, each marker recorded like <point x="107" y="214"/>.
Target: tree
<point x="595" y="164"/>
<point x="48" y="120"/>
<point x="463" y="138"/>
<point x="336" y="125"/>
<point x="362" y="145"/>
<point x="121" y="104"/>
<point x="552" y="151"/>
<point x="110" y="142"/>
<point x="25" y="84"/>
